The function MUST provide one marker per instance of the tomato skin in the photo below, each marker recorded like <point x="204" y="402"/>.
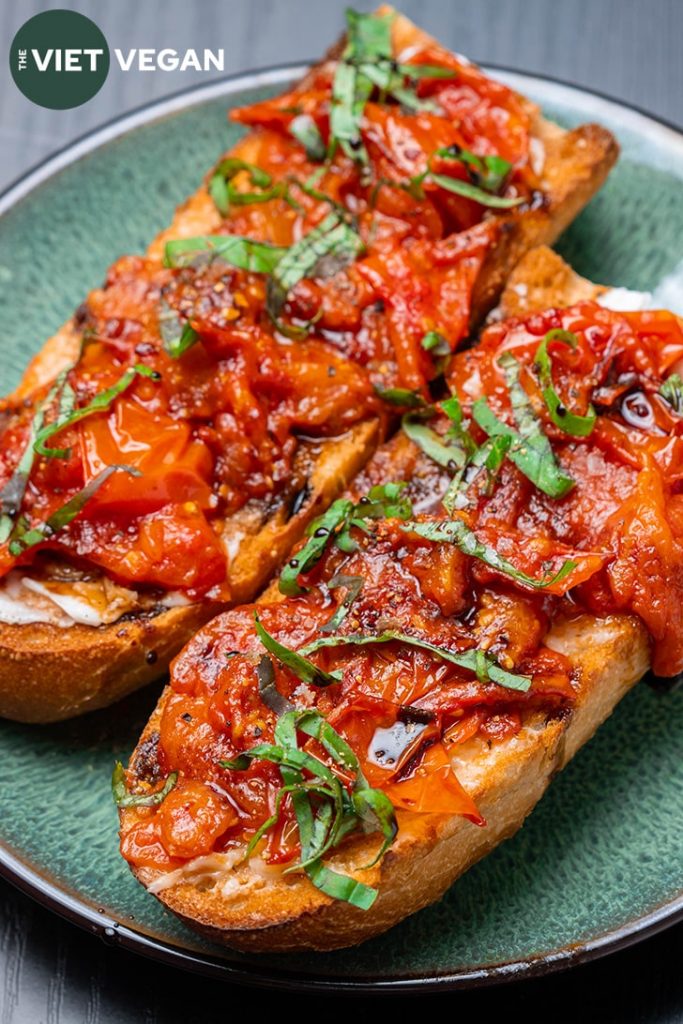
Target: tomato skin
<point x="222" y="424"/>
<point x="192" y="818"/>
<point x="143" y="847"/>
<point x="621" y="525"/>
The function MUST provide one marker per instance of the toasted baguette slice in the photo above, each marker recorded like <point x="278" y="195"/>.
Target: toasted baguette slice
<point x="251" y="907"/>
<point x="48" y="672"/>
<point x="542" y="280"/>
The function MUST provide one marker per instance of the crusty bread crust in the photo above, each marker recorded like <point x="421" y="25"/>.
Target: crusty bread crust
<point x="576" y="165"/>
<point x="109" y="663"/>
<point x="542" y="280"/>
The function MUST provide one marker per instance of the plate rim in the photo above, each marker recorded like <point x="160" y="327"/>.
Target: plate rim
<point x="85" y="914"/>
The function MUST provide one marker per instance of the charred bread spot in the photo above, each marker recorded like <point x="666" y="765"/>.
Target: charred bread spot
<point x="145" y="765"/>
<point x="82" y="314"/>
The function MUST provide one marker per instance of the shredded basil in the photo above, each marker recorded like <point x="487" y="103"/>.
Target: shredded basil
<point x="305" y="130"/>
<point x="439" y="348"/>
<point x="302" y="668"/>
<point x="482" y="664"/>
<point x="176" y="336"/>
<point x="308" y="187"/>
<point x="368" y="39"/>
<point x="487" y="175"/>
<point x="67" y="415"/>
<point x="12" y="494"/>
<point x="243" y="253"/>
<point x="320" y="531"/>
<point x="268" y="691"/>
<point x="24" y="537"/>
<point x="456" y="531"/>
<point x="488" y="172"/>
<point x="401" y="396"/>
<point x="353" y="586"/>
<point x="325" y="810"/>
<point x="447" y="451"/>
<point x="224" y="193"/>
<point x="324" y="251"/>
<point x="672" y="391"/>
<point x="367" y="64"/>
<point x="569" y="422"/>
<point x="469" y="191"/>
<point x="530" y="449"/>
<point x="489" y="457"/>
<point x="122" y="798"/>
<point x="383" y="501"/>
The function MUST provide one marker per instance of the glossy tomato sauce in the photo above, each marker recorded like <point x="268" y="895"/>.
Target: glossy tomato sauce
<point x="214" y="710"/>
<point x="223" y="423"/>
<point x="404" y="710"/>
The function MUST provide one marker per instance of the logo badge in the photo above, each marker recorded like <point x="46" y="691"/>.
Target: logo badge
<point x="59" y="59"/>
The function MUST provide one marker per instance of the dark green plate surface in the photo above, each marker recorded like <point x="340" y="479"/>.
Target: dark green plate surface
<point x="600" y="862"/>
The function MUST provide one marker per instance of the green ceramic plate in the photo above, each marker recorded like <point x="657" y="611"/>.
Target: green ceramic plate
<point x="600" y="862"/>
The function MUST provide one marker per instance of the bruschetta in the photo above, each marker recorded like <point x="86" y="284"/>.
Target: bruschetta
<point x="330" y="759"/>
<point x="170" y="443"/>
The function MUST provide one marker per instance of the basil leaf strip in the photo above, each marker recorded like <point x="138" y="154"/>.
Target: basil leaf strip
<point x="22" y="539"/>
<point x="470" y="191"/>
<point x="306" y="131"/>
<point x="67" y="416"/>
<point x="482" y="664"/>
<point x="440" y="350"/>
<point x="368" y="40"/>
<point x="530" y="449"/>
<point x="321" y="253"/>
<point x="489" y="456"/>
<point x="268" y="691"/>
<point x="302" y="668"/>
<point x="353" y="585"/>
<point x="365" y="64"/>
<point x="436" y="446"/>
<point x="401" y="396"/>
<point x="337" y="812"/>
<point x="672" y="391"/>
<point x="319" y="532"/>
<point x="12" y="494"/>
<point x="456" y="531"/>
<point x="176" y="336"/>
<point x="243" y="253"/>
<point x="122" y="798"/>
<point x="488" y="172"/>
<point x="382" y="501"/>
<point x="223" y="192"/>
<point x="569" y="422"/>
<point x="489" y="175"/>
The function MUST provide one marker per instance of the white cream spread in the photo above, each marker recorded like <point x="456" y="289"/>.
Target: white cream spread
<point x="624" y="300"/>
<point x="24" y="599"/>
<point x="219" y="869"/>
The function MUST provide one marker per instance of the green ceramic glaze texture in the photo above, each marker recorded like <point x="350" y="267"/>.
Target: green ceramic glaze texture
<point x="604" y="847"/>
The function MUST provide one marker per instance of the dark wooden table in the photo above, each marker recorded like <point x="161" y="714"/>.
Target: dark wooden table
<point x="53" y="973"/>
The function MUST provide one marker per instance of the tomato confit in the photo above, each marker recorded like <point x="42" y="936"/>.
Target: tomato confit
<point x="417" y="616"/>
<point x="350" y="226"/>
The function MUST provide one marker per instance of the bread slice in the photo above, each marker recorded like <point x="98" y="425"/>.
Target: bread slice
<point x="48" y="672"/>
<point x="253" y="907"/>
